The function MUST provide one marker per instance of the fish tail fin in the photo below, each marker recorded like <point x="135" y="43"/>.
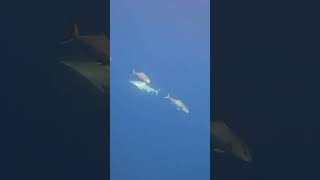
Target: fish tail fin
<point x="157" y="92"/>
<point x="168" y="96"/>
<point x="74" y="34"/>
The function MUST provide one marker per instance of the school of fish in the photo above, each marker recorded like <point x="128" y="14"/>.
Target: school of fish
<point x="225" y="140"/>
<point x="96" y="70"/>
<point x="143" y="83"/>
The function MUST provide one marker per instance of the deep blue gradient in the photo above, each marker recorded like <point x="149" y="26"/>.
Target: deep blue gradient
<point x="266" y="74"/>
<point x="169" y="41"/>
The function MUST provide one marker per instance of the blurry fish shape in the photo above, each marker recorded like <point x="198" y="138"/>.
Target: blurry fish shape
<point x="142" y="76"/>
<point x="99" y="43"/>
<point x="178" y="103"/>
<point x="94" y="72"/>
<point x="145" y="87"/>
<point x="226" y="141"/>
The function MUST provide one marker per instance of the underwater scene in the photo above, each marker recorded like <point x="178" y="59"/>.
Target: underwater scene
<point x="160" y="90"/>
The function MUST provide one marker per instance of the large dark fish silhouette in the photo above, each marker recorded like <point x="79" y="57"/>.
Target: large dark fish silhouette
<point x="97" y="43"/>
<point x="96" y="73"/>
<point x="94" y="67"/>
<point x="226" y="141"/>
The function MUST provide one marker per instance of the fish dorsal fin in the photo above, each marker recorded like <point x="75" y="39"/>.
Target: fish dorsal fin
<point x="74" y="34"/>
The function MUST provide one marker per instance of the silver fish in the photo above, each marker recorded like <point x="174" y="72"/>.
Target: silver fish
<point x="142" y="76"/>
<point x="144" y="87"/>
<point x="178" y="103"/>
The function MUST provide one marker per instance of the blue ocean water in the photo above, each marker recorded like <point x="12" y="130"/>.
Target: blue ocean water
<point x="170" y="42"/>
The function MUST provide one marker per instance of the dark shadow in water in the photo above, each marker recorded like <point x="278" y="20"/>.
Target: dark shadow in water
<point x="269" y="97"/>
<point x="54" y="124"/>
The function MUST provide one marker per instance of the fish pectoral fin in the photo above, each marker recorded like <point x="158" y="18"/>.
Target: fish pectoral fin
<point x="178" y="109"/>
<point x="218" y="150"/>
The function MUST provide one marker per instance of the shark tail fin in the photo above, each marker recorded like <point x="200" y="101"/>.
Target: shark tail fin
<point x="157" y="92"/>
<point x="168" y="96"/>
<point x="74" y="34"/>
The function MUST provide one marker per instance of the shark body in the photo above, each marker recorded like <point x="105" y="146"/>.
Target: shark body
<point x="98" y="43"/>
<point x="96" y="73"/>
<point x="96" y="66"/>
<point x="226" y="141"/>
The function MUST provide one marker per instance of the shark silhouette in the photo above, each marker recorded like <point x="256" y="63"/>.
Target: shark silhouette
<point x="97" y="72"/>
<point x="98" y="43"/>
<point x="226" y="141"/>
<point x="96" y="67"/>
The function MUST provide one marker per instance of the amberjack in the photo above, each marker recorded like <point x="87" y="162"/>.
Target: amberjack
<point x="178" y="103"/>
<point x="142" y="76"/>
<point x="145" y="87"/>
<point x="226" y="141"/>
